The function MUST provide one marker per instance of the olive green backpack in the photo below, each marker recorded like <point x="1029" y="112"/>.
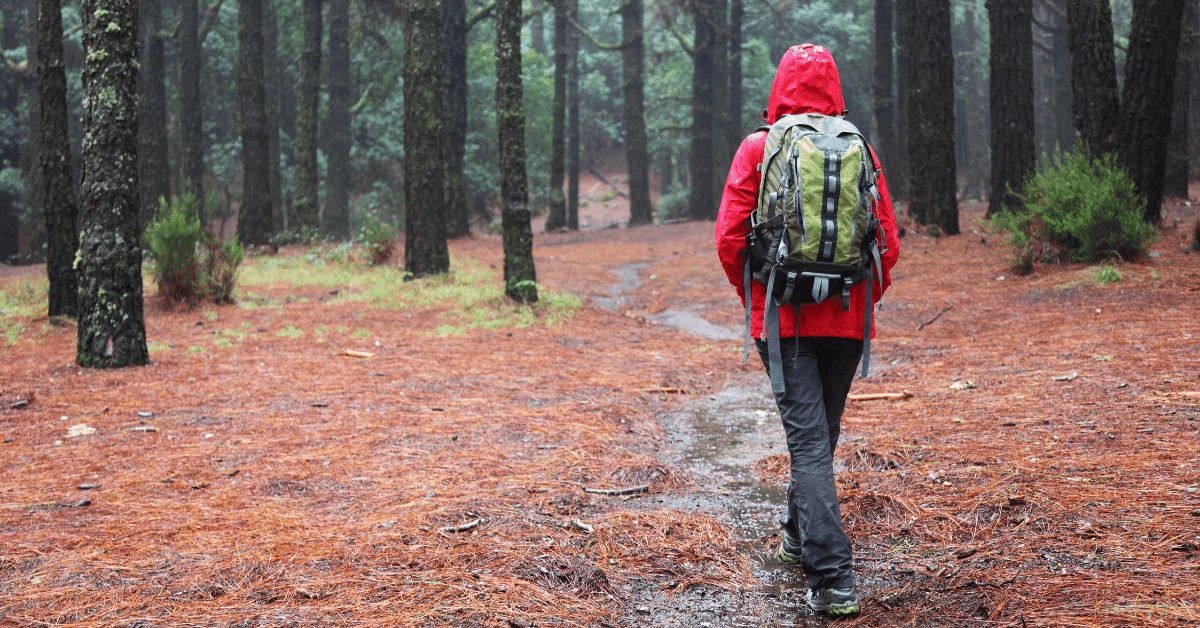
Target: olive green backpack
<point x="813" y="234"/>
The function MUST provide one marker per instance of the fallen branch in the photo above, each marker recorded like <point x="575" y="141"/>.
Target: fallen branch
<point x="889" y="396"/>
<point x="935" y="317"/>
<point x="599" y="175"/>
<point x="617" y="491"/>
<point x="463" y="527"/>
<point x="358" y="354"/>
<point x="671" y="390"/>
<point x="583" y="526"/>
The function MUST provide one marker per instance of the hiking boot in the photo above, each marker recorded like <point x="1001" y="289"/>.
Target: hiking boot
<point x="789" y="548"/>
<point x="835" y="602"/>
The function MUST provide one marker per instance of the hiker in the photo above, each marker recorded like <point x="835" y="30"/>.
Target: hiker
<point x="817" y="344"/>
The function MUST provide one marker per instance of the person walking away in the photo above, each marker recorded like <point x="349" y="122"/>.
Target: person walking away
<point x="819" y="343"/>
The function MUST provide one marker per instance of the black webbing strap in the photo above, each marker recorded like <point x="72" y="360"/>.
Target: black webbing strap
<point x="746" y="294"/>
<point x="866" y="356"/>
<point x="771" y="331"/>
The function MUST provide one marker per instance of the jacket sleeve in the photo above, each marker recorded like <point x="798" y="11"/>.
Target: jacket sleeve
<point x="739" y="198"/>
<point x="887" y="225"/>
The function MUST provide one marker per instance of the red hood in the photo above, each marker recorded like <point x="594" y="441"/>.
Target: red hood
<point x="807" y="82"/>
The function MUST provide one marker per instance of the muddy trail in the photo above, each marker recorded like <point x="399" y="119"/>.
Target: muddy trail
<point x="332" y="453"/>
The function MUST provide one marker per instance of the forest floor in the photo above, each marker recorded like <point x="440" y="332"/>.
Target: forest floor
<point x="341" y="448"/>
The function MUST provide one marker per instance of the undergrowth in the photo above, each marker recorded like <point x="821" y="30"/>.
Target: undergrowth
<point x="19" y="303"/>
<point x="189" y="264"/>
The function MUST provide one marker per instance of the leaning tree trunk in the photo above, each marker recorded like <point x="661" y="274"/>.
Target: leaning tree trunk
<point x="636" y="149"/>
<point x="306" y="195"/>
<point x="1093" y="73"/>
<point x="154" y="171"/>
<point x="573" y="121"/>
<point x="341" y="99"/>
<point x="520" y="277"/>
<point x="454" y="121"/>
<point x="1146" y="102"/>
<point x="882" y="87"/>
<point x="60" y="210"/>
<point x="1175" y="179"/>
<point x="556" y="217"/>
<point x="425" y="251"/>
<point x="1014" y="155"/>
<point x="191" y="122"/>
<point x="254" y="214"/>
<point x="700" y="194"/>
<point x="931" y="115"/>
<point x="111" y="330"/>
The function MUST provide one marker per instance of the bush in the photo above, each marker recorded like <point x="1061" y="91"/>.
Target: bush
<point x="379" y="238"/>
<point x="1084" y="204"/>
<point x="189" y="265"/>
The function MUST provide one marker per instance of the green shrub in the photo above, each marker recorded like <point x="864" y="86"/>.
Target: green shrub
<point x="1086" y="205"/>
<point x="189" y="265"/>
<point x="1108" y="274"/>
<point x="220" y="264"/>
<point x="379" y="238"/>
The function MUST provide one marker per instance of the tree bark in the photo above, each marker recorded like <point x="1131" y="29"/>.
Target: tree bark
<point x="57" y="176"/>
<point x="273" y="85"/>
<point x="1014" y="155"/>
<point x="425" y="251"/>
<point x="931" y="115"/>
<point x="899" y="185"/>
<point x="1094" y="101"/>
<point x="1143" y="126"/>
<point x="455" y="120"/>
<point x="737" y="14"/>
<point x="191" y="120"/>
<point x="111" y="330"/>
<point x="1175" y="179"/>
<point x="636" y="148"/>
<point x="883" y="89"/>
<point x="341" y="99"/>
<point x="719" y="135"/>
<point x="573" y="120"/>
<point x="700" y="194"/>
<point x="520" y="277"/>
<point x="556" y="216"/>
<point x="254" y="214"/>
<point x="154" y="162"/>
<point x="307" y="195"/>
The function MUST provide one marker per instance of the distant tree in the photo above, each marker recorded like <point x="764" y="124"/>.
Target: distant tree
<point x="718" y="135"/>
<point x="111" y="331"/>
<point x="573" y="120"/>
<point x="737" y="15"/>
<point x="154" y="171"/>
<point x="520" y="276"/>
<point x="702" y="204"/>
<point x="191" y="117"/>
<point x="254" y="214"/>
<point x="931" y="115"/>
<point x="273" y="86"/>
<point x="1094" y="98"/>
<point x="341" y="100"/>
<point x="636" y="148"/>
<point x="556" y="216"/>
<point x="883" y="87"/>
<point x="898" y="184"/>
<point x="1014" y="155"/>
<point x="425" y="251"/>
<point x="307" y="194"/>
<point x="59" y="209"/>
<point x="454" y="33"/>
<point x="1175" y="179"/>
<point x="1144" y="122"/>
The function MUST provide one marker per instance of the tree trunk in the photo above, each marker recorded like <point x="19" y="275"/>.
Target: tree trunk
<point x="1014" y="155"/>
<point x="307" y="194"/>
<point x="719" y="135"/>
<point x="1175" y="179"/>
<point x="556" y="216"/>
<point x="191" y="122"/>
<point x="737" y="14"/>
<point x="57" y="176"/>
<point x="520" y="277"/>
<point x="537" y="27"/>
<point x="883" y="89"/>
<point x="454" y="18"/>
<point x="154" y="162"/>
<point x="700" y="194"/>
<point x="899" y="185"/>
<point x="1064" y="125"/>
<point x="425" y="251"/>
<point x="977" y="136"/>
<point x="279" y="218"/>
<point x="341" y="99"/>
<point x="111" y="330"/>
<point x="254" y="214"/>
<point x="573" y="121"/>
<point x="1146" y="102"/>
<point x="1093" y="73"/>
<point x="636" y="148"/>
<point x="931" y="115"/>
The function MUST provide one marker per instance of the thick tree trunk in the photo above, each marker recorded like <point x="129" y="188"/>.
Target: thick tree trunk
<point x="154" y="162"/>
<point x="636" y="148"/>
<point x="931" y="115"/>
<point x="556" y="217"/>
<point x="1175" y="179"/>
<point x="341" y="99"/>
<point x="425" y="251"/>
<point x="899" y="183"/>
<point x="1093" y="73"/>
<point x="700" y="194"/>
<point x="254" y="214"/>
<point x="111" y="330"/>
<point x="279" y="217"/>
<point x="307" y="195"/>
<point x="1014" y="155"/>
<point x="520" y="277"/>
<point x="455" y="123"/>
<point x="883" y="90"/>
<point x="1143" y="126"/>
<point x="57" y="176"/>
<point x="573" y="121"/>
<point x="191" y="122"/>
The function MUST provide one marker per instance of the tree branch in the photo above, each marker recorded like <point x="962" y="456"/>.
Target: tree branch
<point x="480" y="15"/>
<point x="592" y="38"/>
<point x="210" y="19"/>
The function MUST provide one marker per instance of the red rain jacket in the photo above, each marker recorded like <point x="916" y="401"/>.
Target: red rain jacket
<point x="807" y="82"/>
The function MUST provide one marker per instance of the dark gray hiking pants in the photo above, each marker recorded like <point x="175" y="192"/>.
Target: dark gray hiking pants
<point x="817" y="374"/>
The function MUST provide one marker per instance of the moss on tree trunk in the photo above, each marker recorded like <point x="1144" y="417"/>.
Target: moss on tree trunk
<point x="306" y="195"/>
<point x="425" y="251"/>
<point x="519" y="275"/>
